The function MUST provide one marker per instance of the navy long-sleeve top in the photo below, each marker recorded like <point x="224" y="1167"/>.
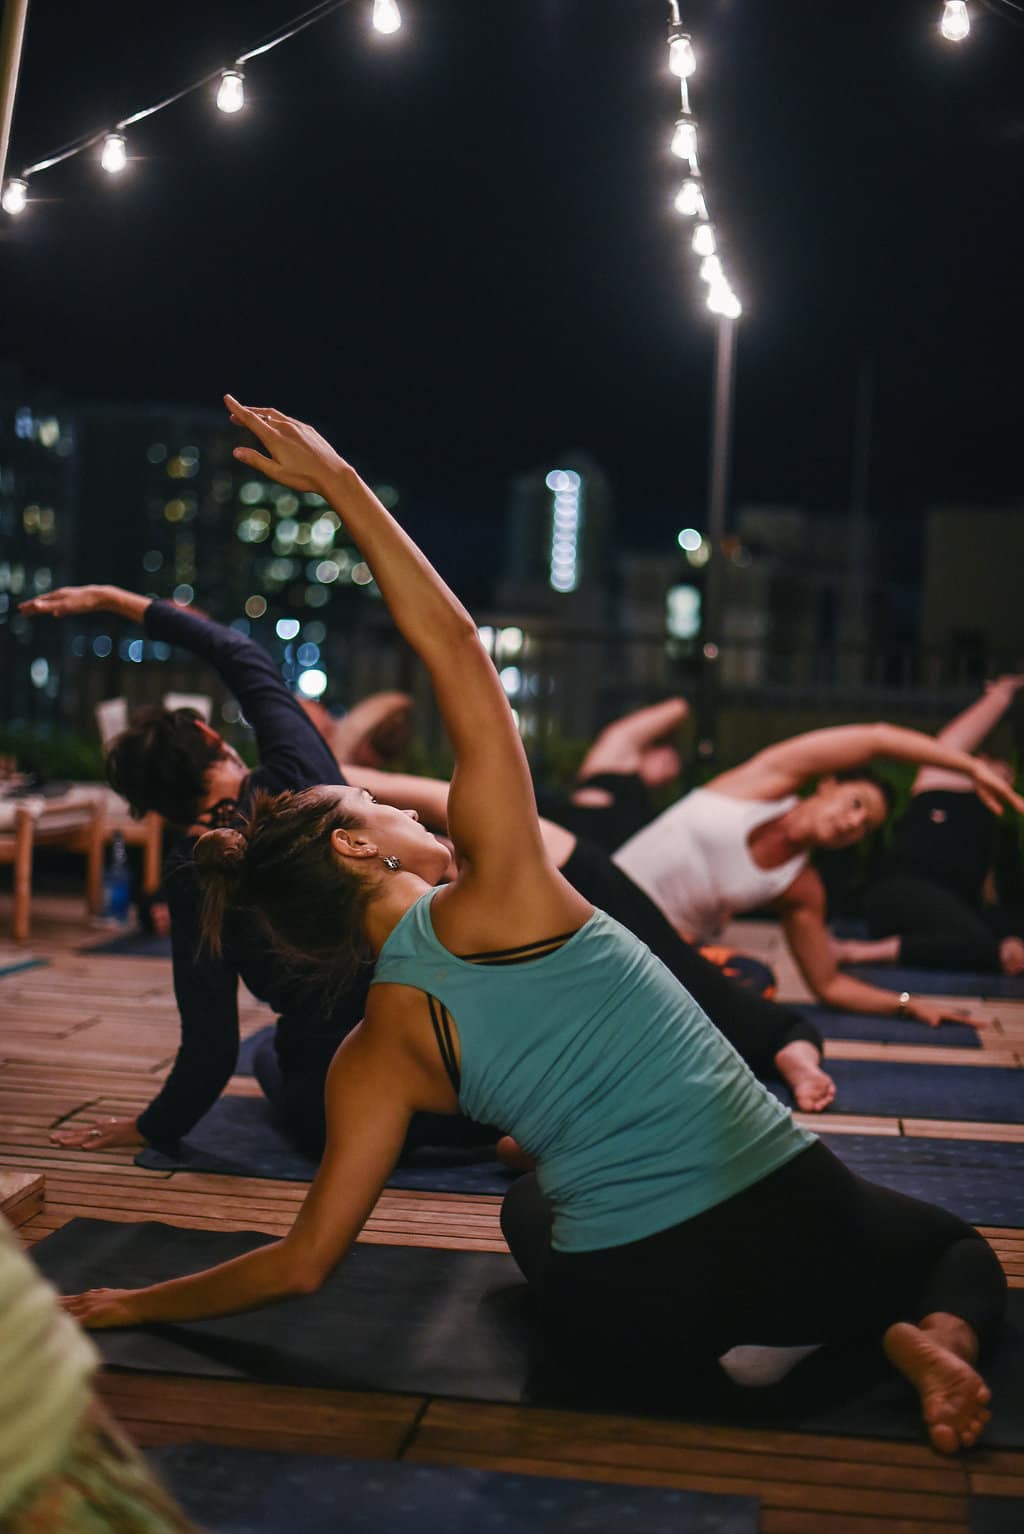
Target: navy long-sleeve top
<point x="292" y="755"/>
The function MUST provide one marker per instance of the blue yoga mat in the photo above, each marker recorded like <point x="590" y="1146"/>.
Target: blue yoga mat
<point x="240" y="1137"/>
<point x="889" y="1030"/>
<point x="987" y="1094"/>
<point x="251" y="1491"/>
<point x="980" y="1180"/>
<point x="15" y="966"/>
<point x="940" y="982"/>
<point x="248" y="1047"/>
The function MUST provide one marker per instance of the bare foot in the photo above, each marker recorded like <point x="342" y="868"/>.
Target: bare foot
<point x="374" y="731"/>
<point x="883" y="950"/>
<point x="799" y="1065"/>
<point x="511" y="1154"/>
<point x="625" y="745"/>
<point x="1011" y="955"/>
<point x="954" y="1397"/>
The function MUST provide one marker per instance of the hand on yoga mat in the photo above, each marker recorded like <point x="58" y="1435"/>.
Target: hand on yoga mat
<point x="104" y="1134"/>
<point x="933" y="1013"/>
<point x="98" y="1309"/>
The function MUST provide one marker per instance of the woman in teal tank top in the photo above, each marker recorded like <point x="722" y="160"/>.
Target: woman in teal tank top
<point x="676" y="1211"/>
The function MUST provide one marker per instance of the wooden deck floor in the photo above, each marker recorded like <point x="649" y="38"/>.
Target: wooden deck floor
<point x="92" y="1035"/>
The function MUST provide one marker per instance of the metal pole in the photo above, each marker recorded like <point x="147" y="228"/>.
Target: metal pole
<point x="12" y="38"/>
<point x="718" y="500"/>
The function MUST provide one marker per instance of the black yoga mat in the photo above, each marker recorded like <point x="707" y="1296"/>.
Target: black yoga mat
<point x="240" y="1137"/>
<point x="426" y="1322"/>
<point x="995" y="1515"/>
<point x="987" y="1094"/>
<point x="980" y="1180"/>
<point x="134" y="945"/>
<point x="889" y="1030"/>
<point x="250" y="1491"/>
<point x="940" y="982"/>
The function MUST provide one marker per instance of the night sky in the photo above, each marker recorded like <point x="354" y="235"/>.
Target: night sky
<point x="455" y="248"/>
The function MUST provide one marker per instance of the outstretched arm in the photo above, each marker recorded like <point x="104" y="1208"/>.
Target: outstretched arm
<point x="786" y="767"/>
<point x="967" y="732"/>
<point x="491" y="769"/>
<point x="803" y="921"/>
<point x="372" y="1090"/>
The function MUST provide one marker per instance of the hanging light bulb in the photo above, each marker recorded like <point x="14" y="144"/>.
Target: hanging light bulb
<point x="956" y="21"/>
<point x="114" y="155"/>
<point x="704" y="243"/>
<point x="690" y="199"/>
<point x="386" y="16"/>
<point x="722" y="300"/>
<point x="711" y="271"/>
<point x="681" y="58"/>
<point x="15" y="195"/>
<point x="684" y="140"/>
<point x="231" y="91"/>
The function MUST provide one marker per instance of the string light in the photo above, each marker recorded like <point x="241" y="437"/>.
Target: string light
<point x="956" y="21"/>
<point x="387" y="18"/>
<point x="114" y="155"/>
<point x="231" y="91"/>
<point x="684" y="140"/>
<point x="230" y="98"/>
<point x="15" y="195"/>
<point x="691" y="198"/>
<point x="704" y="242"/>
<point x="681" y="58"/>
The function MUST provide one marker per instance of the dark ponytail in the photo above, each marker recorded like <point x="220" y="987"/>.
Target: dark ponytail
<point x="281" y="867"/>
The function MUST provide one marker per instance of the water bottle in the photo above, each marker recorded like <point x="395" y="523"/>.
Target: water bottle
<point x="117" y="881"/>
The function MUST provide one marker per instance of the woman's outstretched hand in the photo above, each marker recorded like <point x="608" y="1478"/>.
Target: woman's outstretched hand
<point x="296" y="456"/>
<point x="66" y="600"/>
<point x="98" y="1309"/>
<point x="993" y="790"/>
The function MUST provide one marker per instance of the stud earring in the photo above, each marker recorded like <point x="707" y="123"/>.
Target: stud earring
<point x="390" y="862"/>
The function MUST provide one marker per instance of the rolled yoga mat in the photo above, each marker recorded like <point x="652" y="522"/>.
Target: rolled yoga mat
<point x="980" y="1180"/>
<point x="251" y="1491"/>
<point x="985" y="1094"/>
<point x="940" y="982"/>
<point x="889" y="1030"/>
<point x="133" y="945"/>
<point x="421" y="1321"/>
<point x="240" y="1137"/>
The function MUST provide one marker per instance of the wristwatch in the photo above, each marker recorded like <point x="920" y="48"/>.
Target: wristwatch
<point x="903" y="1005"/>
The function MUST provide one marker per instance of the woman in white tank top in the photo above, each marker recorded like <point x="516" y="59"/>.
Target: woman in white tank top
<point x="745" y="840"/>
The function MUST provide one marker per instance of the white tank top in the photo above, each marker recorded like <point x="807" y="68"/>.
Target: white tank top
<point x="694" y="861"/>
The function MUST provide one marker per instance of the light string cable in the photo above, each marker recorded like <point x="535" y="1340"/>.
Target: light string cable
<point x="230" y="97"/>
<point x="691" y="199"/>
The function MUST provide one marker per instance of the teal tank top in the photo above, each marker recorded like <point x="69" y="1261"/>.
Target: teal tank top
<point x="602" y="1066"/>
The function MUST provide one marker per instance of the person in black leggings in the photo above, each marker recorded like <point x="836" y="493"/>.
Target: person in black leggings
<point x="785" y="1264"/>
<point x="945" y="900"/>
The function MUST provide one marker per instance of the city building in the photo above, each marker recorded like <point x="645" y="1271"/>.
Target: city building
<point x="38" y="539"/>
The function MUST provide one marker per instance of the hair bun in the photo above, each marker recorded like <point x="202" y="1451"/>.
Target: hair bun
<point x="221" y="851"/>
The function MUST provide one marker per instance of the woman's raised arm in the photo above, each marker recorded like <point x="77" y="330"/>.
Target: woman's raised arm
<point x="784" y="768"/>
<point x="492" y="812"/>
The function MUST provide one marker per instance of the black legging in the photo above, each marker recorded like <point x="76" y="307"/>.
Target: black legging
<point x="756" y="1027"/>
<point x="604" y="825"/>
<point x="810" y="1254"/>
<point x="937" y="929"/>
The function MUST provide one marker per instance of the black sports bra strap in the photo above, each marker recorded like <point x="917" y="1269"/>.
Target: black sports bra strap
<point x="442" y="1024"/>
